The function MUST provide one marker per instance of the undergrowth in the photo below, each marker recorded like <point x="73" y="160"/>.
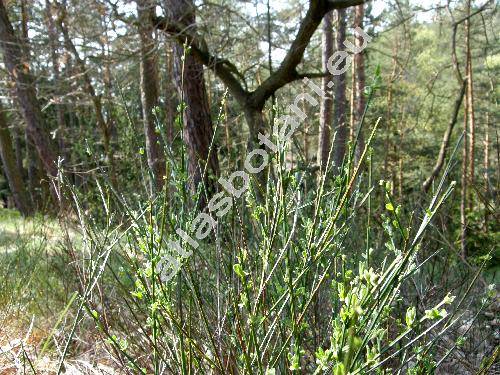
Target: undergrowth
<point x="296" y="278"/>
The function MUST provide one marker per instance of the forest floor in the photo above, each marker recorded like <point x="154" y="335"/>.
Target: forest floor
<point x="35" y="299"/>
<point x="37" y="310"/>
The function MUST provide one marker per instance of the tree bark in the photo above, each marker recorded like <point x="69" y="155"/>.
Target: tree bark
<point x="17" y="135"/>
<point x="18" y="68"/>
<point x="149" y="91"/>
<point x="198" y="133"/>
<point x="326" y="111"/>
<point x="35" y="177"/>
<point x="13" y="174"/>
<point x="339" y="113"/>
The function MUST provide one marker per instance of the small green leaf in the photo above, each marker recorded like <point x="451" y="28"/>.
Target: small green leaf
<point x="410" y="316"/>
<point x="238" y="270"/>
<point x="339" y="369"/>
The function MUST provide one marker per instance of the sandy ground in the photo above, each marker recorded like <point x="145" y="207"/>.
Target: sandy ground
<point x="20" y="353"/>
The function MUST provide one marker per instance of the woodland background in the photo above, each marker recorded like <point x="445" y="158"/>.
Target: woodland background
<point x="117" y="118"/>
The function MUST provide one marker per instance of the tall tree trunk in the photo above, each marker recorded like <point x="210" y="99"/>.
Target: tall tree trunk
<point x="470" y="106"/>
<point x="270" y="59"/>
<point x="463" y="196"/>
<point x="359" y="63"/>
<point x="388" y="130"/>
<point x="307" y="126"/>
<point x="54" y="57"/>
<point x="352" y="103"/>
<point x="107" y="81"/>
<point x="24" y="28"/>
<point x="389" y="112"/>
<point x="149" y="91"/>
<point x="486" y="167"/>
<point x="90" y="91"/>
<point x="339" y="114"/>
<point x="198" y="131"/>
<point x="18" y="68"/>
<point x="326" y="116"/>
<point x="13" y="174"/>
<point x="35" y="177"/>
<point x="17" y="135"/>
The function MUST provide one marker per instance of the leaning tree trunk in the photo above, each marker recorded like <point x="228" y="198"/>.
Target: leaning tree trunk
<point x="326" y="118"/>
<point x="149" y="91"/>
<point x="13" y="174"/>
<point x="18" y="68"/>
<point x="446" y="140"/>
<point x="339" y="114"/>
<point x="190" y="83"/>
<point x="179" y="23"/>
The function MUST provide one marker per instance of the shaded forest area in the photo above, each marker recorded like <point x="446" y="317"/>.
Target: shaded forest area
<point x="337" y="162"/>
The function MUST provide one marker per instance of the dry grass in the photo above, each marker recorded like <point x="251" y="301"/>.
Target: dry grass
<point x="34" y="291"/>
